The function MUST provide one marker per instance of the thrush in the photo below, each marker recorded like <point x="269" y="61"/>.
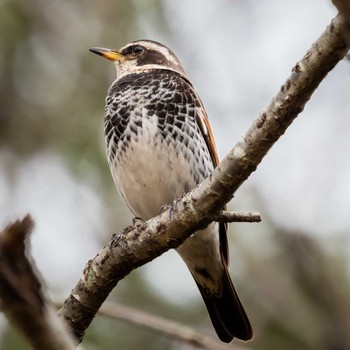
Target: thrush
<point x="160" y="145"/>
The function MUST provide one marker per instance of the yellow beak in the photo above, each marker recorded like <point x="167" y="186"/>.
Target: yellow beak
<point x="112" y="55"/>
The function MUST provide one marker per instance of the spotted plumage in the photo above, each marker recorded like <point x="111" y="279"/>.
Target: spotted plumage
<point x="159" y="145"/>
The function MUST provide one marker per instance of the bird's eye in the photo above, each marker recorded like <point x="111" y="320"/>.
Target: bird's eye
<point x="137" y="49"/>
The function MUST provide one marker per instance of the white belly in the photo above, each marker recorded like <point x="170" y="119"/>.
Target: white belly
<point x="152" y="173"/>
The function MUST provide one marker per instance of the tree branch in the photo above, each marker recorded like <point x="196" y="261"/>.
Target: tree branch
<point x="236" y="216"/>
<point x="136" y="246"/>
<point x="22" y="298"/>
<point x="343" y="7"/>
<point x="162" y="325"/>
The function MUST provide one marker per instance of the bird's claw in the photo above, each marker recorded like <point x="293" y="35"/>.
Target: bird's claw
<point x="136" y="219"/>
<point x="171" y="206"/>
<point x="164" y="208"/>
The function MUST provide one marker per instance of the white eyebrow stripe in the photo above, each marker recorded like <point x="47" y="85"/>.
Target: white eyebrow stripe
<point x="165" y="52"/>
<point x="162" y="49"/>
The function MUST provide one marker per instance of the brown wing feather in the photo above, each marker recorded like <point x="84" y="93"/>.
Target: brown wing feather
<point x="204" y="125"/>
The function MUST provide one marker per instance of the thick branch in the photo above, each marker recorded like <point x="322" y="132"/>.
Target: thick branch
<point x="137" y="246"/>
<point x="22" y="298"/>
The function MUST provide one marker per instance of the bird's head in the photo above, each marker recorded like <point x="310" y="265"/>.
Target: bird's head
<point x="141" y="55"/>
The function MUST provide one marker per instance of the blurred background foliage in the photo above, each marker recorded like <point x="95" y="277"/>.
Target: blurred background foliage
<point x="291" y="271"/>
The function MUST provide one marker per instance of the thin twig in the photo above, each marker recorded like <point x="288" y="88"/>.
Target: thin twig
<point x="22" y="297"/>
<point x="162" y="325"/>
<point x="237" y="216"/>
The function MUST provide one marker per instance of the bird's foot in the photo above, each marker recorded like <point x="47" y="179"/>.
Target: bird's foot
<point x="137" y="221"/>
<point x="164" y="208"/>
<point x="171" y="207"/>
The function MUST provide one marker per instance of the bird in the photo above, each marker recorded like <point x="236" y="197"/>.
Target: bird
<point x="160" y="145"/>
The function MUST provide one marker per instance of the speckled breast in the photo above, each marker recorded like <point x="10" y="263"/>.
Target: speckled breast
<point x="155" y="148"/>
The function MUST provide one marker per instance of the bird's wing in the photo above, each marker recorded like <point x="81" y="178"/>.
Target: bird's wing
<point x="204" y="125"/>
<point x="202" y="121"/>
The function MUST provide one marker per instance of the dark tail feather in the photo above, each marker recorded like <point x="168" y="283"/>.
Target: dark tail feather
<point x="227" y="314"/>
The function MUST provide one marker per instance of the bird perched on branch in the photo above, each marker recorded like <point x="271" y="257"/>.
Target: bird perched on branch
<point x="160" y="145"/>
